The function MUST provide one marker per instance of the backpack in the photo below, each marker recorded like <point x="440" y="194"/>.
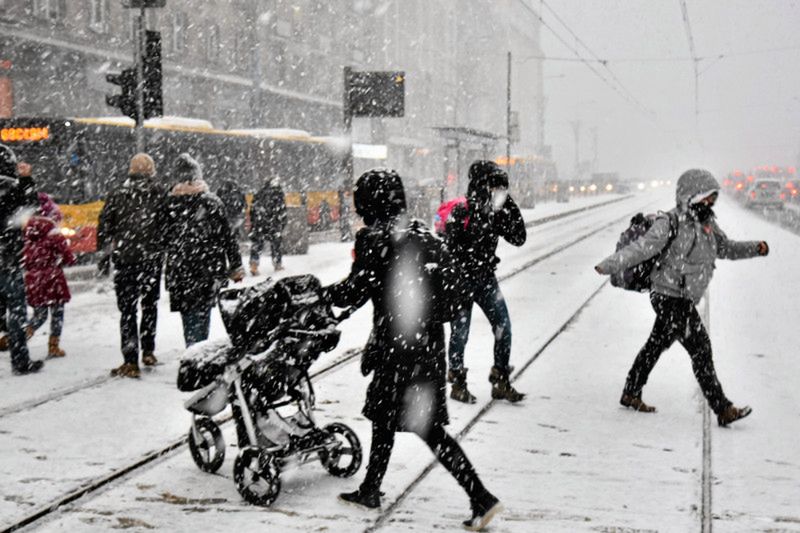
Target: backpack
<point x="637" y="277"/>
<point x="443" y="214"/>
<point x="423" y="277"/>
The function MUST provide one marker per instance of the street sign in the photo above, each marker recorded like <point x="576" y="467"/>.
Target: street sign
<point x="375" y="93"/>
<point x="138" y="4"/>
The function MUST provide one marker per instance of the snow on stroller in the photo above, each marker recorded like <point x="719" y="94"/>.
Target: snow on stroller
<point x="277" y="329"/>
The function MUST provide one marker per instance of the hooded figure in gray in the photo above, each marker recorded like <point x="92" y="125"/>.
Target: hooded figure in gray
<point x="678" y="281"/>
<point x="686" y="267"/>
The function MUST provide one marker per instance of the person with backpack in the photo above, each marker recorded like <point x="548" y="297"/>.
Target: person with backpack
<point x="233" y="201"/>
<point x="201" y="252"/>
<point x="44" y="253"/>
<point x="686" y="242"/>
<point x="394" y="263"/>
<point x="267" y="220"/>
<point x="473" y="229"/>
<point x="130" y="233"/>
<point x="13" y="204"/>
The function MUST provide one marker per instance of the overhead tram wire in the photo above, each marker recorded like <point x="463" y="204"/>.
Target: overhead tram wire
<point x="603" y="62"/>
<point x="586" y="62"/>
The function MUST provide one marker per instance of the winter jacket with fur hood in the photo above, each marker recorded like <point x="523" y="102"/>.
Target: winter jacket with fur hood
<point x="687" y="266"/>
<point x="46" y="250"/>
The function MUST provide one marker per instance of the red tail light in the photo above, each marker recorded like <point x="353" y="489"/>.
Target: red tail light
<point x="750" y="178"/>
<point x="783" y="196"/>
<point x="753" y="195"/>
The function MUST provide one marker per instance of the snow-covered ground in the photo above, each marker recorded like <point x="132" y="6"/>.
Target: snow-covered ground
<point x="567" y="459"/>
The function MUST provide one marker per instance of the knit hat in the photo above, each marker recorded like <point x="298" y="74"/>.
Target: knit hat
<point x="187" y="169"/>
<point x="142" y="165"/>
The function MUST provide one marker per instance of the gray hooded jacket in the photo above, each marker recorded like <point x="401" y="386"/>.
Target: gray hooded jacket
<point x="686" y="268"/>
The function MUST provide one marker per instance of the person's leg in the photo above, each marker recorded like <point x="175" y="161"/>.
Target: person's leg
<point x="150" y="287"/>
<point x="39" y="317"/>
<point x="195" y="326"/>
<point x="56" y="319"/>
<point x="671" y="319"/>
<point x="126" y="288"/>
<point x="256" y="246"/>
<point x="459" y="335"/>
<point x="379" y="454"/>
<point x="275" y="244"/>
<point x="491" y="301"/>
<point x="14" y="289"/>
<point x="453" y="458"/>
<point x="698" y="344"/>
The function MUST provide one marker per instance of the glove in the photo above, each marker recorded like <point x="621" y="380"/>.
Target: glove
<point x="763" y="248"/>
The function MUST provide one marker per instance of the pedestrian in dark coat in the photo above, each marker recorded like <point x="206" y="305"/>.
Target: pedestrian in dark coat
<point x="233" y="201"/>
<point x="13" y="207"/>
<point x="678" y="283"/>
<point x="267" y="221"/>
<point x="201" y="251"/>
<point x="472" y="234"/>
<point x="130" y="233"/>
<point x="45" y="251"/>
<point x="405" y="352"/>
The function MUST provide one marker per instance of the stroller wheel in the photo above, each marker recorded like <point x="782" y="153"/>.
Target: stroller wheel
<point x="257" y="476"/>
<point x="206" y="444"/>
<point x="343" y="457"/>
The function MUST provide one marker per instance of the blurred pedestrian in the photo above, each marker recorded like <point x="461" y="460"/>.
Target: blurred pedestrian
<point x="678" y="282"/>
<point x="12" y="285"/>
<point x="130" y="234"/>
<point x="267" y="221"/>
<point x="472" y="234"/>
<point x="201" y="251"/>
<point x="45" y="251"/>
<point x="405" y="353"/>
<point x="233" y="202"/>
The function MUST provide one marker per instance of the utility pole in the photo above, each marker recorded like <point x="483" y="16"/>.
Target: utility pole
<point x="347" y="181"/>
<point x="508" y="117"/>
<point x="139" y="65"/>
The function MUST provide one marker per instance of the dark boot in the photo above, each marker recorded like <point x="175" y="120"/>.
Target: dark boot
<point x="459" y="391"/>
<point x="636" y="403"/>
<point x="732" y="414"/>
<point x="501" y="387"/>
<point x="368" y="500"/>
<point x="148" y="359"/>
<point x="483" y="510"/>
<point x="31" y="367"/>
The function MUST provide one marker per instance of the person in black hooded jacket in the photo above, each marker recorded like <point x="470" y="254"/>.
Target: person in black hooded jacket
<point x="472" y="234"/>
<point x="201" y="251"/>
<point x="405" y="352"/>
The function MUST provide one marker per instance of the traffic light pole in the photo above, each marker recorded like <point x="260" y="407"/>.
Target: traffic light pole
<point x="139" y="64"/>
<point x="347" y="178"/>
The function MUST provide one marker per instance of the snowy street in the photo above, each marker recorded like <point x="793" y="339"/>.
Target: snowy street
<point x="568" y="458"/>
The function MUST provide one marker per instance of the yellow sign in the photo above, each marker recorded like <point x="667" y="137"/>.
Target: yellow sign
<point x="24" y="134"/>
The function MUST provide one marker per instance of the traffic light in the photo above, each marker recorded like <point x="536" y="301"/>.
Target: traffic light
<point x="126" y="100"/>
<point x="151" y="63"/>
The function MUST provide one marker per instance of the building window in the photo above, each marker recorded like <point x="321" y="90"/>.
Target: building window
<point x="212" y="43"/>
<point x="179" y="25"/>
<point x="98" y="20"/>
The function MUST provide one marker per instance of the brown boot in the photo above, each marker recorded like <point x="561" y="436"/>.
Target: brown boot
<point x="53" y="349"/>
<point x="459" y="391"/>
<point x="732" y="414"/>
<point x="254" y="268"/>
<point x="127" y="370"/>
<point x="636" y="403"/>
<point x="502" y="388"/>
<point x="4" y="343"/>
<point x="29" y="331"/>
<point x="148" y="359"/>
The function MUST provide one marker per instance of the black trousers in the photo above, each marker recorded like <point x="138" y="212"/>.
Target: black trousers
<point x="443" y="446"/>
<point x="132" y="283"/>
<point x="677" y="319"/>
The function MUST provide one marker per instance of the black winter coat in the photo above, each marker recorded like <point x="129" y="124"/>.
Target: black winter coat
<point x="201" y="251"/>
<point x="12" y="201"/>
<point x="407" y="391"/>
<point x="232" y="199"/>
<point x="268" y="213"/>
<point x="472" y="235"/>
<point x="132" y="222"/>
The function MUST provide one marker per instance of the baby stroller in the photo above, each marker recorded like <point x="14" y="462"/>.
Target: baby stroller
<point x="277" y="329"/>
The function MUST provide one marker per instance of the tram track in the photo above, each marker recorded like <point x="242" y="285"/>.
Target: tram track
<point x="151" y="459"/>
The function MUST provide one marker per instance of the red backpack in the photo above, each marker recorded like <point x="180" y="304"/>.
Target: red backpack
<point x="443" y="214"/>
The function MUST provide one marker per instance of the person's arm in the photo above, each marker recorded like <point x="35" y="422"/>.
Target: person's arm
<point x="730" y="249"/>
<point x="62" y="249"/>
<point x="227" y="241"/>
<point x="509" y="224"/>
<point x="106" y="225"/>
<point x="647" y="246"/>
<point x="355" y="289"/>
<point x="282" y="211"/>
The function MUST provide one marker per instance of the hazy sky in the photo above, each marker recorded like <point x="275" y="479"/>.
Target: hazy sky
<point x="749" y="104"/>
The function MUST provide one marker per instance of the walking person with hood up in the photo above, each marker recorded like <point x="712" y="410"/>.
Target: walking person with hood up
<point x="45" y="251"/>
<point x="472" y="233"/>
<point x="130" y="234"/>
<point x="405" y="352"/>
<point x="679" y="280"/>
<point x="13" y="204"/>
<point x="202" y="253"/>
<point x="267" y="220"/>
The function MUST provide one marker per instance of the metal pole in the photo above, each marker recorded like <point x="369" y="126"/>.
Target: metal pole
<point x="508" y="117"/>
<point x="347" y="178"/>
<point x="137" y="58"/>
<point x="255" y="66"/>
